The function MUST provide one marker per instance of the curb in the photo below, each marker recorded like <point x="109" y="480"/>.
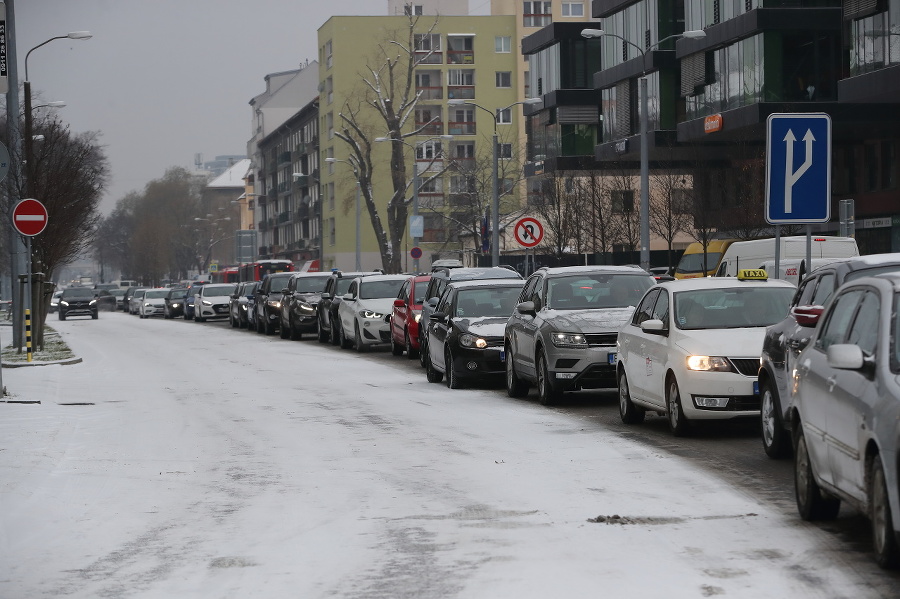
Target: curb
<point x="27" y="364"/>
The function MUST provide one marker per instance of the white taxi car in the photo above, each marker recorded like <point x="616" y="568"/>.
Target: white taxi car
<point x="691" y="350"/>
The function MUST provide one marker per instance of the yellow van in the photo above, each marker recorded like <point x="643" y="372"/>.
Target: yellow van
<point x="691" y="264"/>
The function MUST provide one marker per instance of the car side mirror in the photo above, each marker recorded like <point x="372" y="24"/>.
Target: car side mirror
<point x="399" y="303"/>
<point x="807" y="316"/>
<point x="526" y="308"/>
<point x="845" y="356"/>
<point x="284" y="291"/>
<point x="654" y="326"/>
<point x="326" y="296"/>
<point x="348" y="297"/>
<point x="438" y="316"/>
<point x="432" y="303"/>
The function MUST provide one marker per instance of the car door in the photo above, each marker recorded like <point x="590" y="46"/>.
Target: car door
<point x="401" y="312"/>
<point x="818" y="380"/>
<point x="849" y="405"/>
<point x="656" y="348"/>
<point x="347" y="310"/>
<point x="439" y="329"/>
<point x="632" y="345"/>
<point x="515" y="327"/>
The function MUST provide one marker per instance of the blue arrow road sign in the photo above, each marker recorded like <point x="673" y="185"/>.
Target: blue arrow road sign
<point x="798" y="168"/>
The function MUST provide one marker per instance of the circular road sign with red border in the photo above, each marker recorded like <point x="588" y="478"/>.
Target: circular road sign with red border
<point x="29" y="217"/>
<point x="529" y="232"/>
<point x="416" y="252"/>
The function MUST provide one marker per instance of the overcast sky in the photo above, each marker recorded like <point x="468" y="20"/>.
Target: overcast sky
<point x="166" y="79"/>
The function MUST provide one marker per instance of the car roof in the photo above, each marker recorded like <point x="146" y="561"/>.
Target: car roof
<point x="604" y="269"/>
<point x="720" y="283"/>
<point x="487" y="283"/>
<point x="381" y="277"/>
<point x="470" y="273"/>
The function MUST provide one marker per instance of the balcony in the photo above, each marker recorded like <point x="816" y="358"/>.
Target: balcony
<point x="430" y="128"/>
<point x="427" y="57"/>
<point x="460" y="57"/>
<point x="463" y="165"/>
<point x="284" y="158"/>
<point x="283" y="187"/>
<point x="263" y="225"/>
<point x="461" y="127"/>
<point x="461" y="92"/>
<point x="430" y="93"/>
<point x="284" y="217"/>
<point x="263" y="250"/>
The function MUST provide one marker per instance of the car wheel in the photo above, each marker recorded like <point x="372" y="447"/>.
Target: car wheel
<point x="515" y="387"/>
<point x="431" y="374"/>
<point x="357" y="339"/>
<point x="630" y="413"/>
<point x="343" y="342"/>
<point x="774" y="436"/>
<point x="678" y="423"/>
<point x="199" y="319"/>
<point x="283" y="331"/>
<point x="396" y="348"/>
<point x="812" y="503"/>
<point x="268" y="327"/>
<point x="453" y="380"/>
<point x="411" y="352"/>
<point x="547" y="395"/>
<point x="185" y="315"/>
<point x="62" y="316"/>
<point x="883" y="537"/>
<point x="167" y="315"/>
<point x="293" y="333"/>
<point x="324" y="336"/>
<point x="423" y="351"/>
<point x="95" y="315"/>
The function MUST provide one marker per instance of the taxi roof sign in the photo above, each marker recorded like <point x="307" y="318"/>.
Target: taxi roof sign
<point x="752" y="274"/>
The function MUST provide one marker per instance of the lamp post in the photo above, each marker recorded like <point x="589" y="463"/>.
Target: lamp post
<point x="645" y="150"/>
<point x="415" y="184"/>
<point x="495" y="183"/>
<point x="358" y="265"/>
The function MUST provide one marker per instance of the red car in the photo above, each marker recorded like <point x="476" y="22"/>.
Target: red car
<point x="406" y="315"/>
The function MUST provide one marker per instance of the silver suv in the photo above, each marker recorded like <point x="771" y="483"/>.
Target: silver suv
<point x="562" y="334"/>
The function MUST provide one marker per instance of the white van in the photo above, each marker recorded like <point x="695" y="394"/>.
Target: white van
<point x="751" y="254"/>
<point x="793" y="270"/>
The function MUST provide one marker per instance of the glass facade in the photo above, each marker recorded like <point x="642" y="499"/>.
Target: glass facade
<point x="875" y="40"/>
<point x="620" y="107"/>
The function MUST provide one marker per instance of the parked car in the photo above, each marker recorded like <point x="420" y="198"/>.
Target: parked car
<point x="329" y="300"/>
<point x="136" y="298"/>
<point x="54" y="301"/>
<point x="268" y="301"/>
<point x="153" y="303"/>
<point x="406" y="316"/>
<point x="173" y="304"/>
<point x="364" y="309"/>
<point x="106" y="301"/>
<point x="562" y="334"/>
<point x="787" y="338"/>
<point x="238" y="311"/>
<point x="440" y="278"/>
<point x="189" y="300"/>
<point x="299" y="302"/>
<point x="212" y="301"/>
<point x="126" y="299"/>
<point x="77" y="301"/>
<point x="119" y="294"/>
<point x="465" y="332"/>
<point x="846" y="412"/>
<point x="691" y="350"/>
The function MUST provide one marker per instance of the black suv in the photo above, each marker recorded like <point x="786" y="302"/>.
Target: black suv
<point x="440" y="278"/>
<point x="77" y="301"/>
<point x="786" y="339"/>
<point x="298" y="306"/>
<point x="268" y="301"/>
<point x="326" y="310"/>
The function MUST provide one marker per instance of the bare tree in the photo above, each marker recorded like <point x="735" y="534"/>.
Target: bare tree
<point x="670" y="208"/>
<point x="625" y="222"/>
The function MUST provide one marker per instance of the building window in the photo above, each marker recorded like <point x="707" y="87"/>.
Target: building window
<point x="504" y="79"/>
<point x="537" y="14"/>
<point x="331" y="232"/>
<point x="505" y="151"/>
<point x="504" y="116"/>
<point x="573" y="9"/>
<point x="329" y="90"/>
<point x="329" y="153"/>
<point x="329" y="192"/>
<point x="329" y="124"/>
<point x="622" y="201"/>
<point x="327" y="52"/>
<point x="413" y="10"/>
<point x="503" y="44"/>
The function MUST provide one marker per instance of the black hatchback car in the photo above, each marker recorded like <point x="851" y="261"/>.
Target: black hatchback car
<point x="174" y="302"/>
<point x="465" y="331"/>
<point x="786" y="339"/>
<point x="299" y="304"/>
<point x="77" y="301"/>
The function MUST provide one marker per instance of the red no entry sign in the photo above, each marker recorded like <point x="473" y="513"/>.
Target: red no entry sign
<point x="29" y="217"/>
<point x="528" y="232"/>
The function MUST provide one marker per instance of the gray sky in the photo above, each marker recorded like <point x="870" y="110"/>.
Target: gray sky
<point x="165" y="79"/>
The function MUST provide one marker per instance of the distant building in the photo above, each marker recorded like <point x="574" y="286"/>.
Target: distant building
<point x="219" y="202"/>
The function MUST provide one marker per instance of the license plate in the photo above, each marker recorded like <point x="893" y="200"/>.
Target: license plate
<point x="612" y="358"/>
<point x="502" y="356"/>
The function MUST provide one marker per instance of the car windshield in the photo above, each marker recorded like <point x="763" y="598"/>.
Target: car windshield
<point x="177" y="293"/>
<point x="379" y="289"/>
<point x="217" y="290"/>
<point x="311" y="284"/>
<point x="486" y="301"/>
<point x="419" y="297"/>
<point x="691" y="263"/>
<point x="78" y="293"/>
<point x="731" y="307"/>
<point x="585" y="292"/>
<point x="343" y="285"/>
<point x="156" y="294"/>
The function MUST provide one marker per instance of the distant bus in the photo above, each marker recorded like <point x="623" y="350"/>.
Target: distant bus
<point x="255" y="271"/>
<point x="226" y="275"/>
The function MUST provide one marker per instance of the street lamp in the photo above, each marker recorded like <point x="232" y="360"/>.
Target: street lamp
<point x="355" y="168"/>
<point x="495" y="183"/>
<point x="645" y="150"/>
<point x="415" y="184"/>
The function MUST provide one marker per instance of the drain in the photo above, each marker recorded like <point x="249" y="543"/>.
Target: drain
<point x="77" y="403"/>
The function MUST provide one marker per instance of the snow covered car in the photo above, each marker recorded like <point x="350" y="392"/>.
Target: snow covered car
<point x="363" y="311"/>
<point x="691" y="351"/>
<point x="154" y="303"/>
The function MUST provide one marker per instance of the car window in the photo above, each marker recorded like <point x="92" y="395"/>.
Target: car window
<point x="343" y="286"/>
<point x="352" y="289"/>
<point x="537" y="293"/>
<point x="834" y="329"/>
<point x="379" y="289"/>
<point x="661" y="308"/>
<point x="156" y="294"/>
<point x="824" y="289"/>
<point x="404" y="291"/>
<point x="444" y="302"/>
<point x="585" y="292"/>
<point x="864" y="331"/>
<point x="310" y="284"/>
<point x="528" y="289"/>
<point x="81" y="292"/>
<point x="419" y="293"/>
<point x="645" y="310"/>
<point x="486" y="301"/>
<point x="805" y="292"/>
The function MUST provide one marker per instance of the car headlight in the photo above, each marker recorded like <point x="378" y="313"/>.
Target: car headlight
<point x="243" y="307"/>
<point x="274" y="303"/>
<point x="708" y="364"/>
<point x="306" y="307"/>
<point x="93" y="301"/>
<point x="575" y="340"/>
<point x="417" y="316"/>
<point x="470" y="340"/>
<point x="175" y="304"/>
<point x="63" y="303"/>
<point x="370" y="314"/>
<point x="206" y="303"/>
<point x="147" y="304"/>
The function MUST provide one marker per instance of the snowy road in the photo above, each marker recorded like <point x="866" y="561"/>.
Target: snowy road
<point x="221" y="463"/>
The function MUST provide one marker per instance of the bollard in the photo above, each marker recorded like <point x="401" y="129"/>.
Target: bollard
<point x="27" y="334"/>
